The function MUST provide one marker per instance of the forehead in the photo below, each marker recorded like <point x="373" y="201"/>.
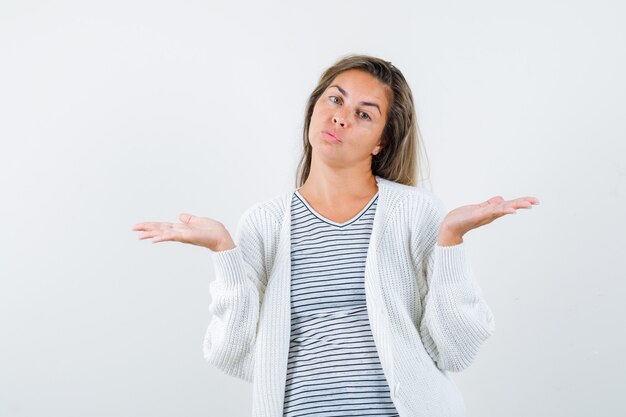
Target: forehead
<point x="362" y="85"/>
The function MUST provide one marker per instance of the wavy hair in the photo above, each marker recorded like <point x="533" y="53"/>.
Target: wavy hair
<point x="402" y="156"/>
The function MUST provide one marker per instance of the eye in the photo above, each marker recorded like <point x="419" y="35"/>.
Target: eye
<point x="337" y="100"/>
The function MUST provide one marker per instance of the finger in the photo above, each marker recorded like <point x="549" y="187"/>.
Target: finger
<point x="167" y="235"/>
<point x="147" y="235"/>
<point x="506" y="210"/>
<point x="138" y="226"/>
<point x="500" y="206"/>
<point x="186" y="217"/>
<point x="492" y="200"/>
<point x="499" y="213"/>
<point x="531" y="200"/>
<point x="161" y="238"/>
<point x="148" y="225"/>
<point x="511" y="207"/>
<point x="499" y="210"/>
<point x="522" y="203"/>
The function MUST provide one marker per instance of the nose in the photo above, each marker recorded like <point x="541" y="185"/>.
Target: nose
<point x="339" y="118"/>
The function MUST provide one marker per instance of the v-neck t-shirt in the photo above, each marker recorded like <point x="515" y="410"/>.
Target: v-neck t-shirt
<point x="333" y="367"/>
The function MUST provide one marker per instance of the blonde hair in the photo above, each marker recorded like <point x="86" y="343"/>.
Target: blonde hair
<point x="400" y="158"/>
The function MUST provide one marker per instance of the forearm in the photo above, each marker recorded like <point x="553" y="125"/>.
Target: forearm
<point x="226" y="243"/>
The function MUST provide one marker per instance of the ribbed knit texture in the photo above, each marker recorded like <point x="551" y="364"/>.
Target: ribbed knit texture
<point x="426" y="310"/>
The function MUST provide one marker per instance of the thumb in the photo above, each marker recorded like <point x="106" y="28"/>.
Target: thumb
<point x="186" y="217"/>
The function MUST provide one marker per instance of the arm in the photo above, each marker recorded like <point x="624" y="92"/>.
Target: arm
<point x="236" y="292"/>
<point x="455" y="320"/>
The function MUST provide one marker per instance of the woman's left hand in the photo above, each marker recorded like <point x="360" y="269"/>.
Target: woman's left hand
<point x="463" y="219"/>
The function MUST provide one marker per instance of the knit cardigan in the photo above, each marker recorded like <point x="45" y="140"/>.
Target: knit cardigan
<point x="426" y="310"/>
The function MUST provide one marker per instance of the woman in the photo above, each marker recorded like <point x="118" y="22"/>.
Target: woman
<point x="352" y="294"/>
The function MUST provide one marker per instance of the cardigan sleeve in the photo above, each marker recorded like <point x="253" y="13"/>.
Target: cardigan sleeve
<point x="236" y="293"/>
<point x="455" y="319"/>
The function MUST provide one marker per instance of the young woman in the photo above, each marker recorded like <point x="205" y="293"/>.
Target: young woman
<point x="353" y="293"/>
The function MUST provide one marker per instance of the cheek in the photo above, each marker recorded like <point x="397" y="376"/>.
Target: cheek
<point x="380" y="128"/>
<point x="319" y="110"/>
<point x="315" y="115"/>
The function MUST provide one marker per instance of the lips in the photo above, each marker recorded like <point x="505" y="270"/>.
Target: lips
<point x="330" y="135"/>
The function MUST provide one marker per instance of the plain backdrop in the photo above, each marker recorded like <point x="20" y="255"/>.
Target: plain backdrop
<point x="117" y="112"/>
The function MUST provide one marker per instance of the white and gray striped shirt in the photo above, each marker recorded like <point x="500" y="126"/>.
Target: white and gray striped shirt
<point x="333" y="367"/>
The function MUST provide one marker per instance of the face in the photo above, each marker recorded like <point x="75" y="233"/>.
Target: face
<point x="348" y="119"/>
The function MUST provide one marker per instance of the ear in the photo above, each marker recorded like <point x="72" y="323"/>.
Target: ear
<point x="381" y="144"/>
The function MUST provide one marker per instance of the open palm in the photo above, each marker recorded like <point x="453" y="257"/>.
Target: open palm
<point x="465" y="218"/>
<point x="194" y="230"/>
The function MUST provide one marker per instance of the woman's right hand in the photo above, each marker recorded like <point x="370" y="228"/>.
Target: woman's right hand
<point x="199" y="231"/>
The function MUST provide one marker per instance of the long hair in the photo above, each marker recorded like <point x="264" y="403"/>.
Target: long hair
<point x="400" y="158"/>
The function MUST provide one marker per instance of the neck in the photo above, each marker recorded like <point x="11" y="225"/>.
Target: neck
<point x="333" y="186"/>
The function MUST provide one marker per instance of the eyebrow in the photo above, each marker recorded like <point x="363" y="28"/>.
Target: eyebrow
<point x="364" y="103"/>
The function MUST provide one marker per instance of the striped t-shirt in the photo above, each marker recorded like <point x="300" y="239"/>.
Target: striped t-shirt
<point x="333" y="367"/>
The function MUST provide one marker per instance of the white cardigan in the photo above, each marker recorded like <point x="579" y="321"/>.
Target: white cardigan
<point x="425" y="308"/>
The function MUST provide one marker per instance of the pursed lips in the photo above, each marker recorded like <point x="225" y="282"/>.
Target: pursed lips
<point x="327" y="133"/>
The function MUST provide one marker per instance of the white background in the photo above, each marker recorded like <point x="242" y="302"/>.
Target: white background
<point x="117" y="112"/>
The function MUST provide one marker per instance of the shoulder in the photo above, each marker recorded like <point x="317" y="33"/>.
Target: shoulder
<point x="413" y="199"/>
<point x="270" y="210"/>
